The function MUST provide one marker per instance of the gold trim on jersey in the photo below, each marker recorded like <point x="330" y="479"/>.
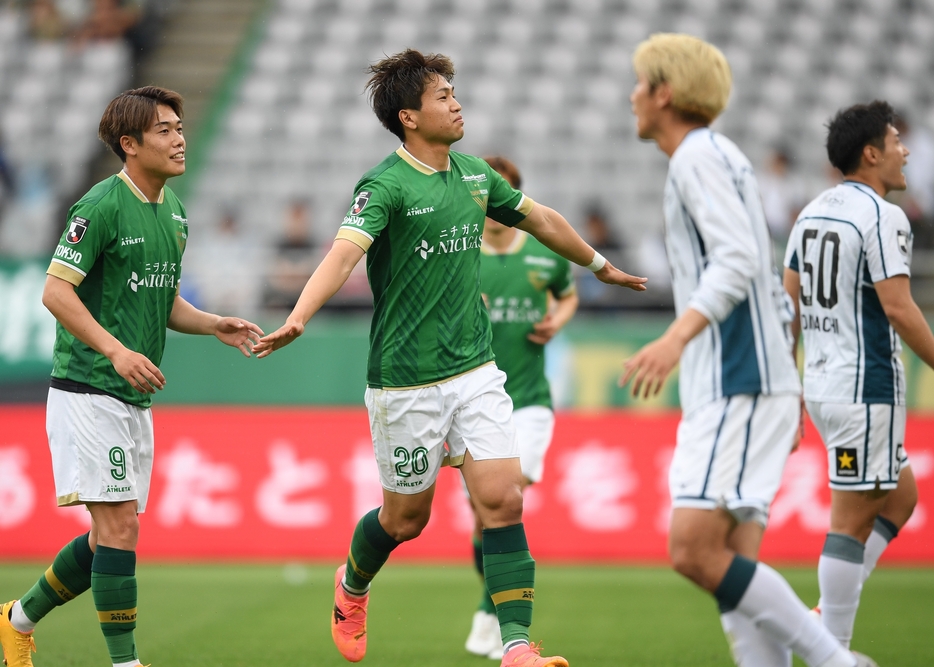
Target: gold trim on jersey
<point x="526" y="204"/>
<point x="66" y="272"/>
<point x="437" y="382"/>
<point x="453" y="461"/>
<point x="60" y="589"/>
<point x="523" y="594"/>
<point x="68" y="500"/>
<point x="125" y="177"/>
<point x="571" y="289"/>
<point x="514" y="246"/>
<point x="117" y="616"/>
<point x="417" y="164"/>
<point x="355" y="236"/>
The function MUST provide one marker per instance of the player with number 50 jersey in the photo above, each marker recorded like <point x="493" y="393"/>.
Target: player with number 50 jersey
<point x="842" y="243"/>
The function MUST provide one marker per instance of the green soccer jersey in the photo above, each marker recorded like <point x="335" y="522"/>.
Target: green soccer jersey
<point x="124" y="256"/>
<point x="422" y="229"/>
<point x="516" y="283"/>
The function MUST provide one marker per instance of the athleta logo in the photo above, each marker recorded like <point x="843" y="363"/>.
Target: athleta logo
<point x="424" y="250"/>
<point x="77" y="227"/>
<point x="420" y="211"/>
<point x="132" y="241"/>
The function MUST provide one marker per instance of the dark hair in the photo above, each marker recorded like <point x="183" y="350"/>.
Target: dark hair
<point x="506" y="169"/>
<point x="131" y="112"/>
<point x="398" y="82"/>
<point x="853" y="129"/>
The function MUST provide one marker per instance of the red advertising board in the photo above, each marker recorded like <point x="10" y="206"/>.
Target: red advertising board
<point x="291" y="484"/>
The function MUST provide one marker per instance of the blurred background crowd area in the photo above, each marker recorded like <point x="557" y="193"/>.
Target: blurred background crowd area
<point x="279" y="129"/>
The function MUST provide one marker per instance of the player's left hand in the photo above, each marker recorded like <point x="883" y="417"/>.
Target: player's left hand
<point x="544" y="330"/>
<point x="651" y="366"/>
<point x="612" y="276"/>
<point x="238" y="333"/>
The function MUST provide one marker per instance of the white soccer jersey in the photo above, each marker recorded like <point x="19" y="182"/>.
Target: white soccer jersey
<point x="720" y="255"/>
<point x="842" y="243"/>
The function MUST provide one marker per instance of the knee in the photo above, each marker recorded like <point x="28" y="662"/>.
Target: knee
<point x="504" y="509"/>
<point x="684" y="561"/>
<point x="405" y="526"/>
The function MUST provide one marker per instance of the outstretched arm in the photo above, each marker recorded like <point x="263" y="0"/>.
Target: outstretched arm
<point x="329" y="277"/>
<point x="556" y="233"/>
<point x="905" y="316"/>
<point x="231" y="331"/>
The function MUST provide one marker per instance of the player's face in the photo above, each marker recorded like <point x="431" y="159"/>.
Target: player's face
<point x="894" y="159"/>
<point x="644" y="107"/>
<point x="440" y="120"/>
<point x="162" y="152"/>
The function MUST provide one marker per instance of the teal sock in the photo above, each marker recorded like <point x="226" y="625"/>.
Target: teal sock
<point x="68" y="577"/>
<point x="113" y="584"/>
<point x="510" y="577"/>
<point x="369" y="550"/>
<point x="486" y="602"/>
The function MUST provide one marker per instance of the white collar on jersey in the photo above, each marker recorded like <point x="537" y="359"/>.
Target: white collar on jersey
<point x="418" y="164"/>
<point x="125" y="177"/>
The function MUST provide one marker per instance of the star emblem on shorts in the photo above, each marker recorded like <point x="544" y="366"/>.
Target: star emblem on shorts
<point x="846" y="461"/>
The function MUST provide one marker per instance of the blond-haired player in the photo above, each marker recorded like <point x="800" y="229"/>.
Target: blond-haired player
<point x="740" y="393"/>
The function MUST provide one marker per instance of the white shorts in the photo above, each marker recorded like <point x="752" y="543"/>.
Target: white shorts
<point x="410" y="427"/>
<point x="535" y="425"/>
<point x="865" y="443"/>
<point x="101" y="449"/>
<point x="731" y="454"/>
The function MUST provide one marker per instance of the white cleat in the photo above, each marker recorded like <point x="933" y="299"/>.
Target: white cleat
<point x="484" y="638"/>
<point x="864" y="660"/>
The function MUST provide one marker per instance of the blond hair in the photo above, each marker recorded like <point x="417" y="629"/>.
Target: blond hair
<point x="697" y="72"/>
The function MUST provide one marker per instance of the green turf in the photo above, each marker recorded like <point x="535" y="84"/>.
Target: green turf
<point x="245" y="615"/>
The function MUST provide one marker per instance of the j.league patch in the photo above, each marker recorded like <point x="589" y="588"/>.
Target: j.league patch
<point x="76" y="229"/>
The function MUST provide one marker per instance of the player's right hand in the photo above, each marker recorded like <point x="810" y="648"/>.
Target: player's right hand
<point x="612" y="276"/>
<point x="143" y="375"/>
<point x="278" y="338"/>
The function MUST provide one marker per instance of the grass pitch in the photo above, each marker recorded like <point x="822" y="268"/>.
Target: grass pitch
<point x="259" y="615"/>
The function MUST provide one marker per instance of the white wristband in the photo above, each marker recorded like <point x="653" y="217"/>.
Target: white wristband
<point x="599" y="261"/>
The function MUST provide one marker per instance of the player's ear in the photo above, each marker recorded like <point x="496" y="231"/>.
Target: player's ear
<point x="662" y="94"/>
<point x="871" y="155"/>
<point x="129" y="145"/>
<point x="407" y="118"/>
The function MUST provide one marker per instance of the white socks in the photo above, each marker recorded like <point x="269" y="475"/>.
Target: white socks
<point x="751" y="647"/>
<point x="772" y="605"/>
<point x="19" y="620"/>
<point x="875" y="545"/>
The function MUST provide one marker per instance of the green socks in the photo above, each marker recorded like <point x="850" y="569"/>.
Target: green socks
<point x="113" y="584"/>
<point x="486" y="602"/>
<point x="369" y="551"/>
<point x="67" y="578"/>
<point x="510" y="579"/>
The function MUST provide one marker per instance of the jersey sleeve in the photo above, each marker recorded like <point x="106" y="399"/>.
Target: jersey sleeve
<point x="86" y="234"/>
<point x="506" y="204"/>
<point x="713" y="202"/>
<point x="888" y="246"/>
<point x="563" y="282"/>
<point x="791" y="250"/>
<point x="368" y="215"/>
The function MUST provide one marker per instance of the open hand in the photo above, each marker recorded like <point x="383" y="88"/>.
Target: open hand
<point x="612" y="276"/>
<point x="238" y="333"/>
<point x="143" y="375"/>
<point x="278" y="338"/>
<point x="651" y="366"/>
